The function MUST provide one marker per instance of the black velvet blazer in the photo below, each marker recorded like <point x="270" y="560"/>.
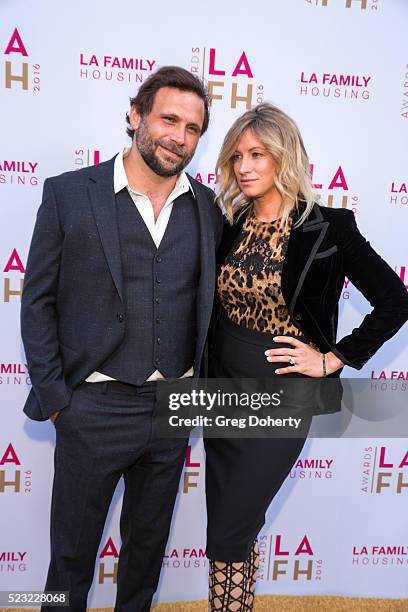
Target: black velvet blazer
<point x="321" y="252"/>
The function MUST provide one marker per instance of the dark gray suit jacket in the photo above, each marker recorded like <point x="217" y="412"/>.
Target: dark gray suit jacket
<point x="72" y="312"/>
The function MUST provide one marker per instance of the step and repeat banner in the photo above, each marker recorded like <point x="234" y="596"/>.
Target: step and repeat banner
<point x="340" y="69"/>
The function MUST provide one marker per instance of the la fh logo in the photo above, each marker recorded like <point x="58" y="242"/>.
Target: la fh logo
<point x="19" y="73"/>
<point x="230" y="82"/>
<point x="348" y="4"/>
<point x="86" y="157"/>
<point x="14" y="264"/>
<point x="108" y="566"/>
<point x="190" y="478"/>
<point x="12" y="478"/>
<point x="282" y="559"/>
<point x="338" y="191"/>
<point x="384" y="470"/>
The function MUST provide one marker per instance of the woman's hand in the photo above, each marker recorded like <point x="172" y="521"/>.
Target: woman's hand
<point x="302" y="358"/>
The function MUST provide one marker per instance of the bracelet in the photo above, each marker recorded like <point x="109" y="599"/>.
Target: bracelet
<point x="324" y="364"/>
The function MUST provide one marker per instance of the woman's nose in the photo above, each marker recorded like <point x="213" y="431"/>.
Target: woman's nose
<point x="245" y="166"/>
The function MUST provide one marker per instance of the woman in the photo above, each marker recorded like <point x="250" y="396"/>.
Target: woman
<point x="283" y="261"/>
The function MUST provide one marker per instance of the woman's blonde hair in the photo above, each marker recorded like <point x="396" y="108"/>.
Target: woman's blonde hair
<point x="280" y="135"/>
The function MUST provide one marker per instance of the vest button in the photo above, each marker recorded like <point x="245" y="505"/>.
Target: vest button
<point x="157" y="300"/>
<point x="157" y="362"/>
<point x="158" y="281"/>
<point x="158" y="340"/>
<point x="158" y="259"/>
<point x="158" y="320"/>
<point x="120" y="317"/>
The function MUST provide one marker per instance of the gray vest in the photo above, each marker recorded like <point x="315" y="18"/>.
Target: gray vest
<point x="159" y="289"/>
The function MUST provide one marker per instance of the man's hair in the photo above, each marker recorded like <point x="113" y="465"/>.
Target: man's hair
<point x="168" y="76"/>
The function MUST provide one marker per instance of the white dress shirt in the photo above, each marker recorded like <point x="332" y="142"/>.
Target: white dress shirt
<point x="156" y="229"/>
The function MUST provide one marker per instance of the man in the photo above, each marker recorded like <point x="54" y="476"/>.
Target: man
<point x="118" y="296"/>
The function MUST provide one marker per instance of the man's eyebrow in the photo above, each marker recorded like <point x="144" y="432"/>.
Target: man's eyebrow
<point x="174" y="116"/>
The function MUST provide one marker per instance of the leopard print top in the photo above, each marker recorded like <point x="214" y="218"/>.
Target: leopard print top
<point x="249" y="282"/>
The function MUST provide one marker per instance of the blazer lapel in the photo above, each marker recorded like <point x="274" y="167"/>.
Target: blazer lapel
<point x="304" y="243"/>
<point x="104" y="208"/>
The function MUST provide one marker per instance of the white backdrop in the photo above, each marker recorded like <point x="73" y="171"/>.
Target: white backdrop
<point x="340" y="68"/>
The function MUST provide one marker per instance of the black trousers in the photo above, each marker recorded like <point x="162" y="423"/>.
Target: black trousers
<point x="106" y="432"/>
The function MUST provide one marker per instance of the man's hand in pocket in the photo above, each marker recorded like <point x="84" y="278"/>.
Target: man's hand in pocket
<point x="54" y="416"/>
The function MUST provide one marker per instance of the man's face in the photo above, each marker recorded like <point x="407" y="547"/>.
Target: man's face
<point x="167" y="138"/>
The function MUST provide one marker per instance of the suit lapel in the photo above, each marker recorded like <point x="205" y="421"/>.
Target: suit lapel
<point x="206" y="288"/>
<point x="304" y="243"/>
<point x="104" y="208"/>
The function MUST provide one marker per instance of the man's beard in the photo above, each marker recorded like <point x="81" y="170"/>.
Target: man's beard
<point x="147" y="149"/>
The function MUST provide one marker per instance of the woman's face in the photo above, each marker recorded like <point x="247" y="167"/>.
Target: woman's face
<point x="254" y="167"/>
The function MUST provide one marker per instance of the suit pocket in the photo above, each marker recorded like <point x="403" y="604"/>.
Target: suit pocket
<point x="64" y="418"/>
